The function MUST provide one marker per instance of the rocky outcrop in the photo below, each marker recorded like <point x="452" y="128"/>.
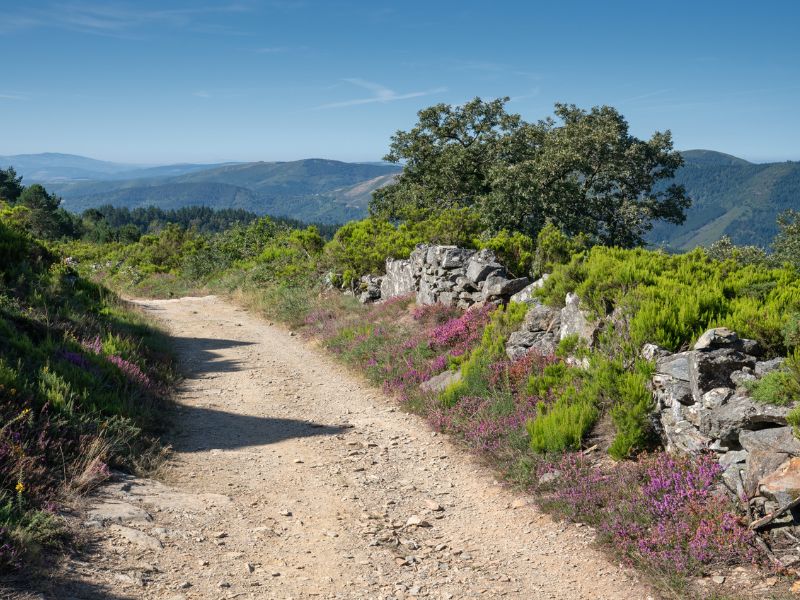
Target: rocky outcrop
<point x="575" y="321"/>
<point x="704" y="405"/>
<point x="399" y="279"/>
<point x="450" y="275"/>
<point x="369" y="288"/>
<point x="540" y="331"/>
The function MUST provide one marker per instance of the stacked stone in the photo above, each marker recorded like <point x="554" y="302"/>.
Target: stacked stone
<point x="450" y="275"/>
<point x="544" y="327"/>
<point x="703" y="404"/>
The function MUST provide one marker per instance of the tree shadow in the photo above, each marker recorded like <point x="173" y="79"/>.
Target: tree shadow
<point x="199" y="356"/>
<point x="47" y="582"/>
<point x="209" y="429"/>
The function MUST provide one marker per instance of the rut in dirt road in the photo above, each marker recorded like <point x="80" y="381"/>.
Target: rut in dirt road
<point x="292" y="478"/>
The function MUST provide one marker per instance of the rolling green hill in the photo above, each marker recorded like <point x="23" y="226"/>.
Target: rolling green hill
<point x="730" y="197"/>
<point x="317" y="190"/>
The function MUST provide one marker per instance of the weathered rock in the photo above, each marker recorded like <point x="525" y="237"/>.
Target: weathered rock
<point x="669" y="390"/>
<point x="436" y="254"/>
<point x="653" y="352"/>
<point x="399" y="279"/>
<point x="675" y="366"/>
<point x="775" y="439"/>
<point x="719" y="337"/>
<point x="482" y="264"/>
<point x="526" y="294"/>
<point x="742" y="377"/>
<point x="452" y="258"/>
<point x="710" y="369"/>
<point x="682" y="436"/>
<point x="542" y="318"/>
<point x="767" y="366"/>
<point x="499" y="286"/>
<point x="464" y="283"/>
<point x="117" y="511"/>
<point x="371" y="288"/>
<point x="783" y="484"/>
<point x="439" y="382"/>
<point x="575" y="321"/>
<point x="715" y="398"/>
<point x="522" y="342"/>
<point x="447" y="298"/>
<point x="735" y="457"/>
<point x="739" y="412"/>
<point x="426" y="293"/>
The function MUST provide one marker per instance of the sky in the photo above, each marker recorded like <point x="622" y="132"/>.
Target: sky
<point x="153" y="82"/>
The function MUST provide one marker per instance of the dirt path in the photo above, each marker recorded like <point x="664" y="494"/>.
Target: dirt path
<point x="292" y="479"/>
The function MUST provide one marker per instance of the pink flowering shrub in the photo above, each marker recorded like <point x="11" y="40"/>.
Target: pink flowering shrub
<point x="399" y="346"/>
<point x="131" y="371"/>
<point x="661" y="511"/>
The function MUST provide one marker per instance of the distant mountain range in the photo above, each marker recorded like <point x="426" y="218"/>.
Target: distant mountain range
<point x="325" y="191"/>
<point x="731" y="196"/>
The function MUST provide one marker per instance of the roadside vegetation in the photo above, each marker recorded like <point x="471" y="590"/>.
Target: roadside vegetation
<point x="474" y="176"/>
<point x="84" y="382"/>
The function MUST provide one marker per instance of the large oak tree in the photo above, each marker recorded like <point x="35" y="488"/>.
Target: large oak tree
<point x="581" y="170"/>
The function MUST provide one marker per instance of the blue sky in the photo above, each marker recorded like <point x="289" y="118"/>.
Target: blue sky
<point x="173" y="81"/>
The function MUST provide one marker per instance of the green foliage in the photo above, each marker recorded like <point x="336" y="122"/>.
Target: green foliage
<point x="781" y="386"/>
<point x="671" y="299"/>
<point x="630" y="413"/>
<point x="475" y="369"/>
<point x="563" y="425"/>
<point x="554" y="248"/>
<point x="514" y="250"/>
<point x="724" y="249"/>
<point x="362" y="247"/>
<point x="82" y="380"/>
<point x="786" y="244"/>
<point x="10" y="185"/>
<point x="519" y="175"/>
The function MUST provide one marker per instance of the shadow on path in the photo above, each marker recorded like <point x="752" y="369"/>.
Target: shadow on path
<point x="199" y="355"/>
<point x="206" y="429"/>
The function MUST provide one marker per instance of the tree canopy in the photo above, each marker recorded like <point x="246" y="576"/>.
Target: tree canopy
<point x="580" y="170"/>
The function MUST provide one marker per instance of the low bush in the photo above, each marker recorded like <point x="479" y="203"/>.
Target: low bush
<point x="661" y="512"/>
<point x="672" y="299"/>
<point x="82" y="384"/>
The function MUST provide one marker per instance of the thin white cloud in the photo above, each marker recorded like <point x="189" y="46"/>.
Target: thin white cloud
<point x="647" y="95"/>
<point x="273" y="50"/>
<point x="6" y="96"/>
<point x="380" y="94"/>
<point x="116" y="19"/>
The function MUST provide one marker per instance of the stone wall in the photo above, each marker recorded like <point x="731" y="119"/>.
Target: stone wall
<point x="446" y="275"/>
<point x="703" y="404"/>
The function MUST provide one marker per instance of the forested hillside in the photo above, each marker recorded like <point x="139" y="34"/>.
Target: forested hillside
<point x="730" y="197"/>
<point x="312" y="190"/>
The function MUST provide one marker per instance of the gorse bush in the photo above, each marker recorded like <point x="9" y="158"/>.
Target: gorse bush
<point x="672" y="299"/>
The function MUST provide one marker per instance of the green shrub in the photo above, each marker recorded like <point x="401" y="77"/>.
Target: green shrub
<point x="514" y="250"/>
<point x="475" y="369"/>
<point x="781" y="386"/>
<point x="672" y="299"/>
<point x="563" y="425"/>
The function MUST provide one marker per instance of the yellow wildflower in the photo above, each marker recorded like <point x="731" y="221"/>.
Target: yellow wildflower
<point x="20" y="487"/>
